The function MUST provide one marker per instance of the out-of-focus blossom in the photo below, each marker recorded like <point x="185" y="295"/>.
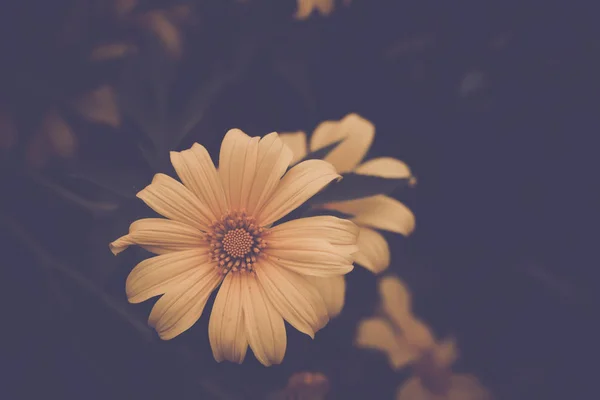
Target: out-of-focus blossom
<point x="218" y="231"/>
<point x="324" y="7"/>
<point x="408" y="341"/>
<point x="356" y="135"/>
<point x="305" y="386"/>
<point x="99" y="105"/>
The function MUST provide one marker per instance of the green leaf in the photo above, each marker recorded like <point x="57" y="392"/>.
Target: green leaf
<point x="356" y="186"/>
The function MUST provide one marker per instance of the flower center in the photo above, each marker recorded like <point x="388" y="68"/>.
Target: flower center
<point x="236" y="242"/>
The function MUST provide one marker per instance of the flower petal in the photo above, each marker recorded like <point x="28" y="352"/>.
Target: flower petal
<point x="446" y="352"/>
<point x="396" y="301"/>
<point x="384" y="167"/>
<point x="159" y="236"/>
<point x="339" y="232"/>
<point x="380" y="212"/>
<point x="177" y="310"/>
<point x="374" y="252"/>
<point x="265" y="329"/>
<point x="357" y="134"/>
<point x="237" y="166"/>
<point x="171" y="199"/>
<point x="377" y="333"/>
<point x="198" y="173"/>
<point x="294" y="297"/>
<point x="299" y="184"/>
<point x="226" y="330"/>
<point x="273" y="160"/>
<point x="161" y="274"/>
<point x="296" y="141"/>
<point x="309" y="257"/>
<point x="333" y="291"/>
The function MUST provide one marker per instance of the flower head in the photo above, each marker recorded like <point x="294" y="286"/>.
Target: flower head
<point x="356" y="135"/>
<point x="408" y="341"/>
<point x="218" y="231"/>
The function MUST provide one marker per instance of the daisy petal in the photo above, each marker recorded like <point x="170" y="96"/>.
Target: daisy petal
<point x="384" y="167"/>
<point x="161" y="274"/>
<point x="377" y="333"/>
<point x="333" y="291"/>
<point x="159" y="236"/>
<point x="177" y="310"/>
<point x="237" y="166"/>
<point x="265" y="329"/>
<point x="226" y="325"/>
<point x="309" y="257"/>
<point x="446" y="352"/>
<point x="358" y="134"/>
<point x="299" y="184"/>
<point x="274" y="158"/>
<point x="374" y="252"/>
<point x="295" y="298"/>
<point x="380" y="212"/>
<point x="395" y="299"/>
<point x="296" y="141"/>
<point x="171" y="199"/>
<point x="339" y="232"/>
<point x="198" y="173"/>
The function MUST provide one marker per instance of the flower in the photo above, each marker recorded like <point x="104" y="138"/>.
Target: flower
<point x="306" y="7"/>
<point x="380" y="211"/>
<point x="218" y="231"/>
<point x="325" y="7"/>
<point x="408" y="341"/>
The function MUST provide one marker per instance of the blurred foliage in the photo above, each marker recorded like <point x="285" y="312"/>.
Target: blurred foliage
<point x="484" y="101"/>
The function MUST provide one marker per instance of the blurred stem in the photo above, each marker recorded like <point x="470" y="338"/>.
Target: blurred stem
<point x="47" y="261"/>
<point x="95" y="207"/>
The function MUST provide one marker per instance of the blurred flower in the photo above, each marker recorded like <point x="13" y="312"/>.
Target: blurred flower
<point x="218" y="230"/>
<point x="375" y="212"/>
<point x="305" y="386"/>
<point x="306" y="7"/>
<point x="408" y="341"/>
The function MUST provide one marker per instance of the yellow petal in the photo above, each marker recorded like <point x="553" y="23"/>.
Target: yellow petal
<point x="198" y="173"/>
<point x="237" y="167"/>
<point x="380" y="212"/>
<point x="272" y="162"/>
<point x="265" y="329"/>
<point x="309" y="257"/>
<point x="305" y="8"/>
<point x="171" y="199"/>
<point x="177" y="310"/>
<point x="337" y="231"/>
<point x="357" y="134"/>
<point x="384" y="167"/>
<point x="374" y="252"/>
<point x="377" y="333"/>
<point x="161" y="274"/>
<point x="226" y="326"/>
<point x="418" y="334"/>
<point x="396" y="301"/>
<point x="295" y="298"/>
<point x="297" y="186"/>
<point x="296" y="141"/>
<point x="333" y="291"/>
<point x="159" y="236"/>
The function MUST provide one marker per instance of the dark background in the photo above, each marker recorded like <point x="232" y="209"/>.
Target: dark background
<point x="491" y="104"/>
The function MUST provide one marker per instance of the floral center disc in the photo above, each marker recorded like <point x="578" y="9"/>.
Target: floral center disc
<point x="236" y="241"/>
